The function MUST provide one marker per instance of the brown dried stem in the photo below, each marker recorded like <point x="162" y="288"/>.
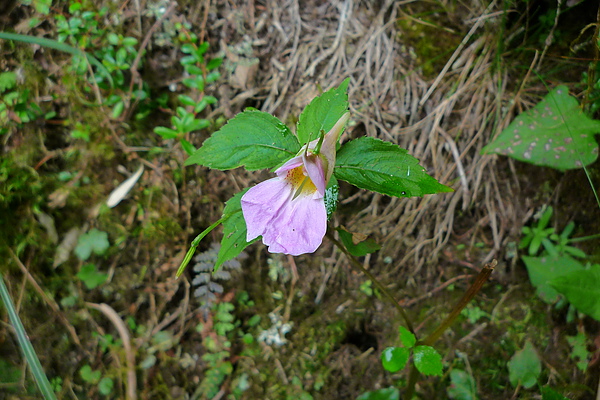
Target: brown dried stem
<point x="356" y="264"/>
<point x="481" y="279"/>
<point x="112" y="315"/>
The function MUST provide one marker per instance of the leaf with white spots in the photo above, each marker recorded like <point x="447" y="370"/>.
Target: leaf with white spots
<point x="555" y="133"/>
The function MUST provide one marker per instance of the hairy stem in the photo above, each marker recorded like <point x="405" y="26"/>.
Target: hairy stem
<point x="482" y="278"/>
<point x="356" y="264"/>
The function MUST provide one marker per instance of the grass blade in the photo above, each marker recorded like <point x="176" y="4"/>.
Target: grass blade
<point x="53" y="44"/>
<point x="25" y="344"/>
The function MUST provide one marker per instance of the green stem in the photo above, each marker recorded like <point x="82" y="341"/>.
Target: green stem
<point x="25" y="344"/>
<point x="195" y="243"/>
<point x="356" y="264"/>
<point x="413" y="377"/>
<point x="584" y="238"/>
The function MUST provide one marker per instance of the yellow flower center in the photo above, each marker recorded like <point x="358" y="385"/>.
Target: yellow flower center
<point x="300" y="181"/>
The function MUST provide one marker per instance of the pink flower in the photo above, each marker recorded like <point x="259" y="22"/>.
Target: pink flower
<point x="288" y="211"/>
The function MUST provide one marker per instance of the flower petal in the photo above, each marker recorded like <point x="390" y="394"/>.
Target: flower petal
<point x="329" y="146"/>
<point x="262" y="203"/>
<point x="298" y="227"/>
<point x="315" y="171"/>
<point x="289" y="164"/>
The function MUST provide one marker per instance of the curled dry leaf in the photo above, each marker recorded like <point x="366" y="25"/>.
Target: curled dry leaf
<point x="67" y="245"/>
<point x="124" y="188"/>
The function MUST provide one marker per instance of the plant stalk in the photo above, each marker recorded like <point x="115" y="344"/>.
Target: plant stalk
<point x="356" y="264"/>
<point x="481" y="279"/>
<point x="195" y="243"/>
<point x="25" y="345"/>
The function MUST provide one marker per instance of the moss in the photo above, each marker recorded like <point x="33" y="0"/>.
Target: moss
<point x="428" y="36"/>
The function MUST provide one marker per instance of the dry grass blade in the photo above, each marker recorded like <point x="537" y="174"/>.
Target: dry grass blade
<point x="112" y="315"/>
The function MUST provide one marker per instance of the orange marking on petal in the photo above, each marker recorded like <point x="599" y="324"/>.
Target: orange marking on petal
<point x="300" y="181"/>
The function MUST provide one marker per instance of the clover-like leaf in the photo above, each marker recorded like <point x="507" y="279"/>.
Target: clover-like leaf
<point x="8" y="80"/>
<point x="555" y="133"/>
<point x="105" y="386"/>
<point x="89" y="375"/>
<point x="524" y="367"/>
<point x="90" y="276"/>
<point x="94" y="241"/>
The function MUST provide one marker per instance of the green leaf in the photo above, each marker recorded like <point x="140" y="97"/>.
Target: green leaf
<point x="555" y="133"/>
<point x="105" y="386"/>
<point x="390" y="393"/>
<point x="252" y="138"/>
<point x="118" y="109"/>
<point x="8" y="80"/>
<point x="214" y="63"/>
<point x="234" y="231"/>
<point x="383" y="167"/>
<point x="550" y="394"/>
<point x="322" y="113"/>
<point x="407" y="338"/>
<point x="93" y="241"/>
<point x="394" y="359"/>
<point x="579" y="351"/>
<point x="357" y="244"/>
<point x="582" y="289"/>
<point x="196" y="125"/>
<point x="166" y="133"/>
<point x="186" y="100"/>
<point x="427" y="360"/>
<point x="524" y="367"/>
<point x="88" y="375"/>
<point x="90" y="276"/>
<point x="462" y="386"/>
<point x="542" y="270"/>
<point x="188" y="147"/>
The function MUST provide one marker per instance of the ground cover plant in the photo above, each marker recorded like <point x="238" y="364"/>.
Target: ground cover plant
<point x="384" y="200"/>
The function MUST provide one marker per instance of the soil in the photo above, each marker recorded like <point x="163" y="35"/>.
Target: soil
<point x="441" y="79"/>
